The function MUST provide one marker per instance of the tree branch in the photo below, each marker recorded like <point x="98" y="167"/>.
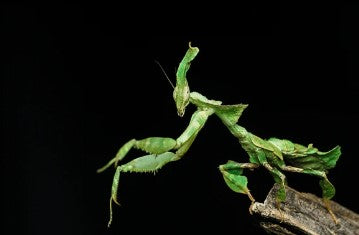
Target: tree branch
<point x="303" y="213"/>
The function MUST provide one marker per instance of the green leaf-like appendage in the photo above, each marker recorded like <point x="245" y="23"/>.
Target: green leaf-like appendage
<point x="266" y="145"/>
<point x="238" y="183"/>
<point x="284" y="145"/>
<point x="331" y="157"/>
<point x="186" y="63"/>
<point x="327" y="188"/>
<point x="307" y="157"/>
<point x="234" y="178"/>
<point x="228" y="113"/>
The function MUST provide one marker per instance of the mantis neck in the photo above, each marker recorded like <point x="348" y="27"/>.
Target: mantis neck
<point x="238" y="131"/>
<point x="227" y="113"/>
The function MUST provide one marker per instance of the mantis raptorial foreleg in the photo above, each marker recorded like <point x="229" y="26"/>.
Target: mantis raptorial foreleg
<point x="155" y="145"/>
<point x="119" y="156"/>
<point x="159" y="148"/>
<point x="148" y="163"/>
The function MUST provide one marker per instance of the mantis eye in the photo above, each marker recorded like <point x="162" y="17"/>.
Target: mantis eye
<point x="174" y="94"/>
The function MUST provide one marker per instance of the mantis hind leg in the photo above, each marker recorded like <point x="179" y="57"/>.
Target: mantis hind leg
<point x="280" y="179"/>
<point x="328" y="190"/>
<point x="232" y="174"/>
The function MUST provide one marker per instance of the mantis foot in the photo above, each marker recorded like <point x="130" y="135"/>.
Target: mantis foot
<point x="327" y="205"/>
<point x="278" y="202"/>
<point x="252" y="202"/>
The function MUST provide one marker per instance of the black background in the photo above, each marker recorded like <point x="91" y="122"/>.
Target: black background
<point x="79" y="80"/>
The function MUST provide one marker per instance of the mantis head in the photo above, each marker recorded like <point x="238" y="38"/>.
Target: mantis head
<point x="181" y="93"/>
<point x="181" y="96"/>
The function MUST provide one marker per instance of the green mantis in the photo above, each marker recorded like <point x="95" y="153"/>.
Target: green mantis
<point x="275" y="155"/>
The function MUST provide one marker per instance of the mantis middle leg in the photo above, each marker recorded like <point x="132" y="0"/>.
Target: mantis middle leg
<point x="232" y="174"/>
<point x="278" y="176"/>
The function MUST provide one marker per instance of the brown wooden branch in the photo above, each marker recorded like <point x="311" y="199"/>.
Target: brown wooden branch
<point x="303" y="213"/>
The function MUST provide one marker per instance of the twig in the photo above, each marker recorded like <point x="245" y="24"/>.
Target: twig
<point x="303" y="213"/>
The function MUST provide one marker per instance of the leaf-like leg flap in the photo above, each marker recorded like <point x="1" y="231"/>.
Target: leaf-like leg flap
<point x="232" y="175"/>
<point x="328" y="189"/>
<point x="238" y="183"/>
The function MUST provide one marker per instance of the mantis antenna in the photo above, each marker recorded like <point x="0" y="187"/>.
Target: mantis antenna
<point x="164" y="72"/>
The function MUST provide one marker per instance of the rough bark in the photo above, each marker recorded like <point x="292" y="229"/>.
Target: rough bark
<point x="303" y="213"/>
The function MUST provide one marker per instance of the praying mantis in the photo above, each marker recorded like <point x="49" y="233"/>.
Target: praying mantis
<point x="275" y="155"/>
